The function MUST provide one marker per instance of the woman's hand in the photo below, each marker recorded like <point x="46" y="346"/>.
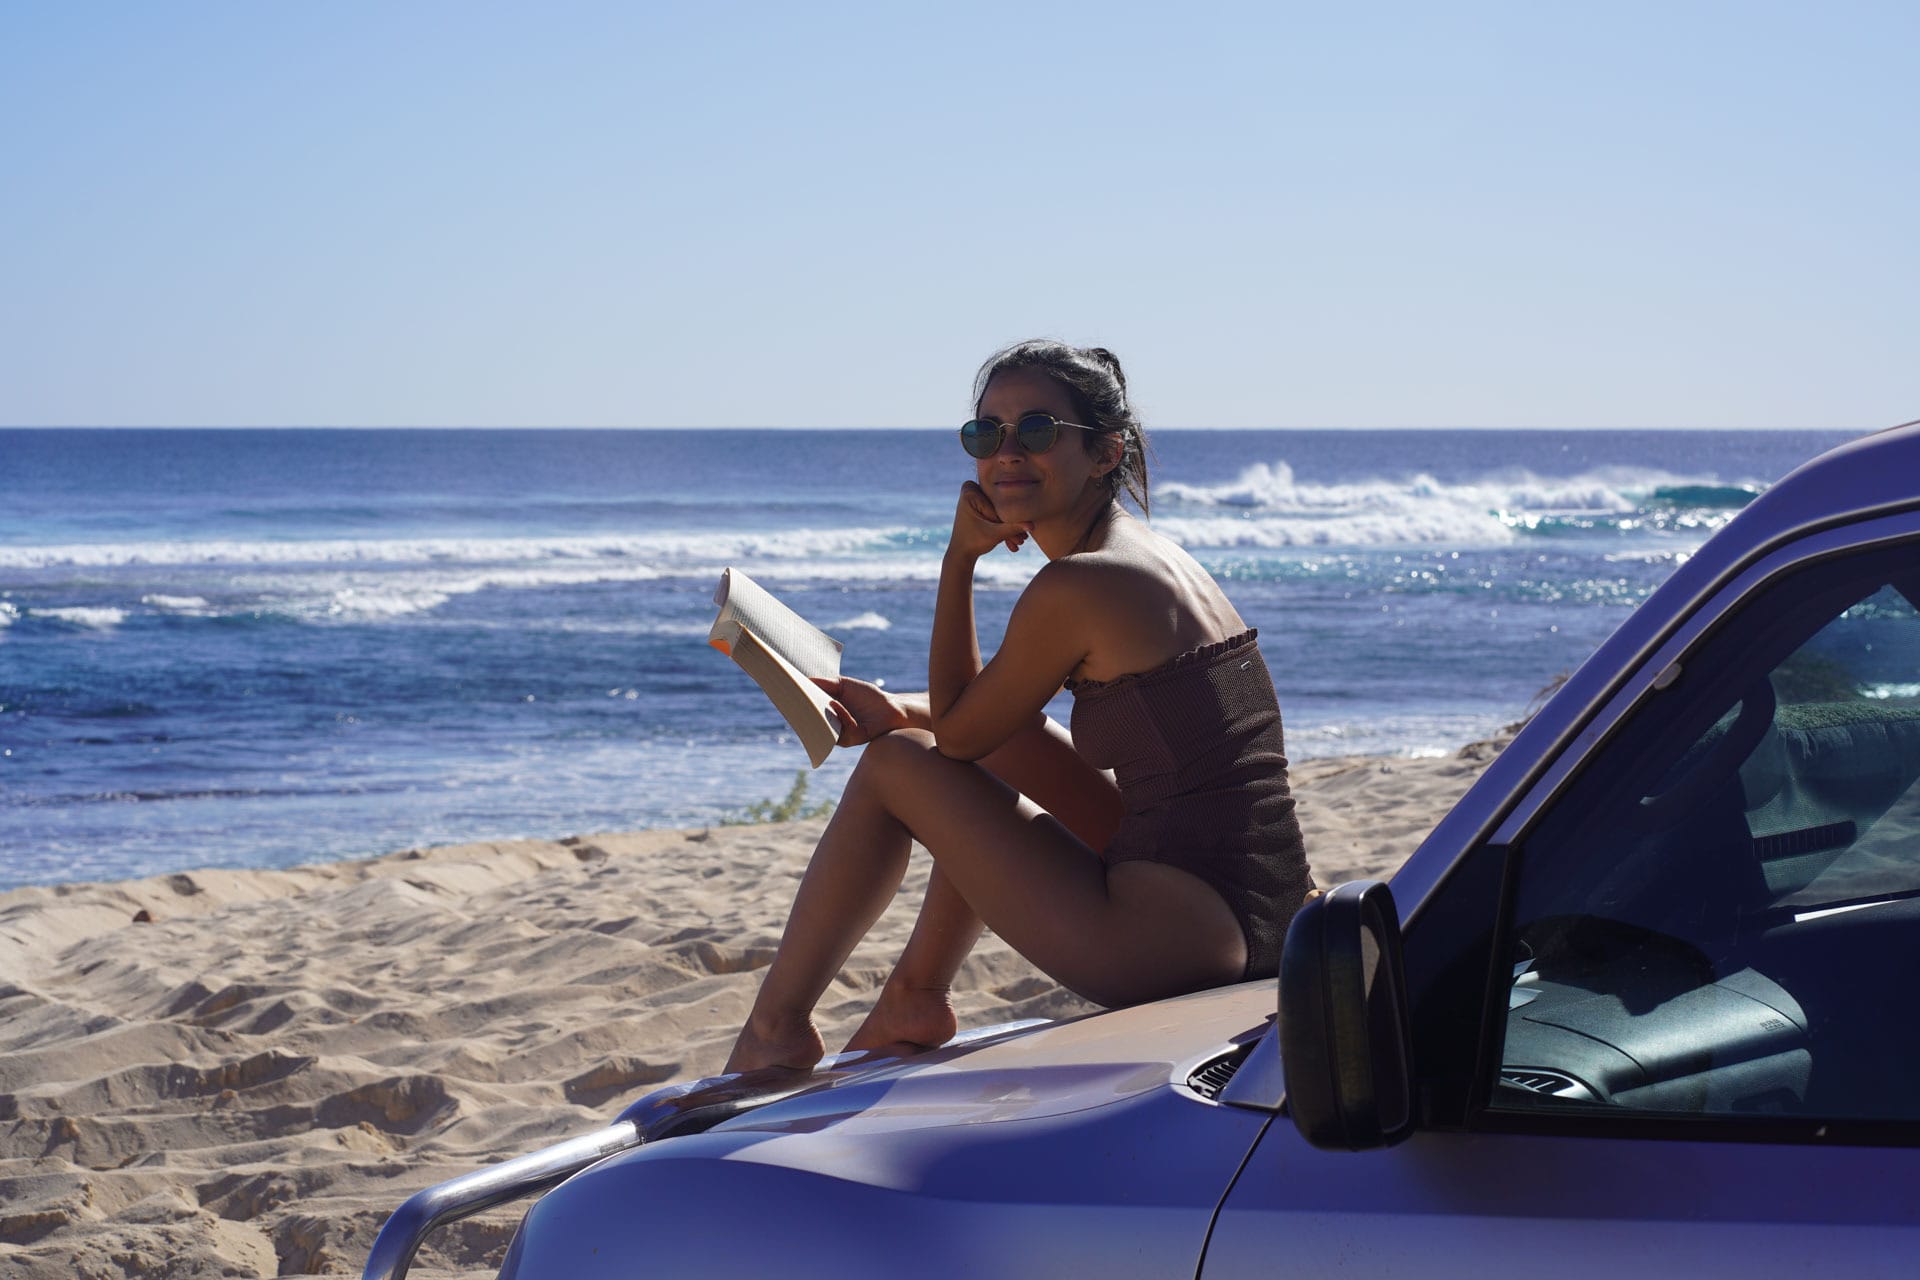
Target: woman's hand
<point x="977" y="527"/>
<point x="865" y="710"/>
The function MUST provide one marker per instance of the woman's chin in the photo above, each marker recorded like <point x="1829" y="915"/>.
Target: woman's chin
<point x="1013" y="511"/>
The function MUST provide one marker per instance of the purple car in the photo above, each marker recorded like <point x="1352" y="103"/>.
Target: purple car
<point x="1647" y="1002"/>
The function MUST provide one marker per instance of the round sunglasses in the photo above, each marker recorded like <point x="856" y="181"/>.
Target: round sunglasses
<point x="1036" y="432"/>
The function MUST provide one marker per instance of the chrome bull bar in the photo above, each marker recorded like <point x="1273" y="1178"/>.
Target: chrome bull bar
<point x="677" y="1108"/>
<point x="427" y="1211"/>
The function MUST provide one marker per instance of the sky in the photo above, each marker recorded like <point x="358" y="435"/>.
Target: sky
<point x="1525" y="214"/>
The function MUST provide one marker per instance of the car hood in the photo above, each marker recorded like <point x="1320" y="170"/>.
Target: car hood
<point x="1070" y="1149"/>
<point x="1025" y="1072"/>
<point x="1052" y="1070"/>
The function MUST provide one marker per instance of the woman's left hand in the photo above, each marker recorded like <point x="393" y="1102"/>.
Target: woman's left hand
<point x="977" y="527"/>
<point x="865" y="710"/>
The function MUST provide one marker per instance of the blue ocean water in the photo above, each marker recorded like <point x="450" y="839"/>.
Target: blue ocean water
<point x="264" y="648"/>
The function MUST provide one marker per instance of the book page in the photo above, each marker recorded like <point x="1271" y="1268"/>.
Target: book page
<point x="781" y="651"/>
<point x="802" y="702"/>
<point x="744" y="602"/>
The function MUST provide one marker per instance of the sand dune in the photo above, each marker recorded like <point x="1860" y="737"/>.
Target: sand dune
<point x="241" y="1073"/>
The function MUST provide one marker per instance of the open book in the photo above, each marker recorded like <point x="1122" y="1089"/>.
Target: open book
<point x="782" y="651"/>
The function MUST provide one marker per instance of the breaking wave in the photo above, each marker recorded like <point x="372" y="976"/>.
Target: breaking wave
<point x="783" y="544"/>
<point x="868" y="621"/>
<point x="177" y="604"/>
<point x="1267" y="505"/>
<point x="92" y="618"/>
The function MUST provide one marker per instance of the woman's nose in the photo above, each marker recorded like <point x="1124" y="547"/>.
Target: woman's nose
<point x="1010" y="444"/>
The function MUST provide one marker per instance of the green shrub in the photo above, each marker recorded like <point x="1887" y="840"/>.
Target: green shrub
<point x="791" y="809"/>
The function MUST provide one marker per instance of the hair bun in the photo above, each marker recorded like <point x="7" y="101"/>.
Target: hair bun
<point x="1112" y="362"/>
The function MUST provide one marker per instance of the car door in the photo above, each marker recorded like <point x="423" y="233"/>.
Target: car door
<point x="1667" y="1016"/>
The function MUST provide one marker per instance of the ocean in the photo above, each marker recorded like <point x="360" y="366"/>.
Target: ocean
<point x="262" y="648"/>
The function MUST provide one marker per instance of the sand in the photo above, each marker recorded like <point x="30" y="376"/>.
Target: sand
<point x="241" y="1073"/>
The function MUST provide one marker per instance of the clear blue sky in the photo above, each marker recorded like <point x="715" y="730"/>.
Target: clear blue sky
<point x="617" y="214"/>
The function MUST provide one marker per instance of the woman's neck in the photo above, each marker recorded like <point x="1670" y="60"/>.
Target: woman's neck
<point x="1076" y="530"/>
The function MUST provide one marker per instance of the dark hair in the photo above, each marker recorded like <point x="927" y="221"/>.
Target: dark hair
<point x="1097" y="389"/>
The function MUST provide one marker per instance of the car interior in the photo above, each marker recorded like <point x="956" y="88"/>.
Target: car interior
<point x="1722" y="913"/>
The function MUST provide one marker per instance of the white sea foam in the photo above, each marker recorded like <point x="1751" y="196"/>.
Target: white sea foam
<point x="382" y="602"/>
<point x="700" y="629"/>
<point x="1266" y="505"/>
<point x="392" y="595"/>
<point x="1438" y="524"/>
<point x="96" y="619"/>
<point x="8" y="612"/>
<point x="649" y="548"/>
<point x="177" y="604"/>
<point x="868" y="621"/>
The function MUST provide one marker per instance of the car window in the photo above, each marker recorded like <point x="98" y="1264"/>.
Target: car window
<point x="1720" y="914"/>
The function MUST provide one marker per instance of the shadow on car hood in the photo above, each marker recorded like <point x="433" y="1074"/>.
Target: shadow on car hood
<point x="1051" y="1070"/>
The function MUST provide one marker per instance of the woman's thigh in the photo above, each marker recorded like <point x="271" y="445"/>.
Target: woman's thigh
<point x="1146" y="931"/>
<point x="1041" y="763"/>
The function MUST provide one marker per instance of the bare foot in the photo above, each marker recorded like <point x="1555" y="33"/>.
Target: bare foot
<point x="921" y="1016"/>
<point x="798" y="1046"/>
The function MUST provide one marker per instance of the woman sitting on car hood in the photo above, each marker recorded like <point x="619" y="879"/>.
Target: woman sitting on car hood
<point x="1154" y="850"/>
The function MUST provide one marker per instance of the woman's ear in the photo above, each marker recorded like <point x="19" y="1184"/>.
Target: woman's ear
<point x="1113" y="448"/>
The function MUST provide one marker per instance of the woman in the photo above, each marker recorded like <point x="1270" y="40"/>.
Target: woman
<point x="1179" y="870"/>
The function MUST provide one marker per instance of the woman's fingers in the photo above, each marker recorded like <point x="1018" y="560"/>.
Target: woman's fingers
<point x="977" y="499"/>
<point x="847" y="723"/>
<point x="977" y="526"/>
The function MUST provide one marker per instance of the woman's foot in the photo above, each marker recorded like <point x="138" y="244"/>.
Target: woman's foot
<point x="795" y="1045"/>
<point x="918" y="1016"/>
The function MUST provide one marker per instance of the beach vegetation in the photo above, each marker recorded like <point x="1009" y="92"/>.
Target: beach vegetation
<point x="793" y="807"/>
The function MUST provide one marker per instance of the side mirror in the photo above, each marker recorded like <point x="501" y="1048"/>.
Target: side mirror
<point x="1346" y="1043"/>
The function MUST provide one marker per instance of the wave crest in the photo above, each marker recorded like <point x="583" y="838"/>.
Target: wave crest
<point x="93" y="618"/>
<point x="650" y="548"/>
<point x="868" y="621"/>
<point x="192" y="605"/>
<point x="1266" y="505"/>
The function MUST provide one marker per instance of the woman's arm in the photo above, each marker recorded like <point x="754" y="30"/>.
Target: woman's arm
<point x="974" y="708"/>
<point x="953" y="655"/>
<point x="1046" y="640"/>
<point x="953" y="658"/>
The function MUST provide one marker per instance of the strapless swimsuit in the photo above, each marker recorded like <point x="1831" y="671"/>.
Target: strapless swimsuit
<point x="1196" y="747"/>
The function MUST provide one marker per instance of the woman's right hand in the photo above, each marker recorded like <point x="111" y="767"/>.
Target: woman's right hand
<point x="865" y="710"/>
<point x="977" y="527"/>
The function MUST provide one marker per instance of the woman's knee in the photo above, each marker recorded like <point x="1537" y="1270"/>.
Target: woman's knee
<point x="894" y="755"/>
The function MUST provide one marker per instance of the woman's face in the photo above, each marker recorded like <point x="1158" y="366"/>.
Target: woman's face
<point x="1026" y="487"/>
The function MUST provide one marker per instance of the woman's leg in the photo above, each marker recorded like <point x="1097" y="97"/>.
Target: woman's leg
<point x="915" y="1006"/>
<point x="1149" y="932"/>
<point x="850" y="880"/>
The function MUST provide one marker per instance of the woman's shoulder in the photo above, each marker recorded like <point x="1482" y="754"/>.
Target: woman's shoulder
<point x="1097" y="571"/>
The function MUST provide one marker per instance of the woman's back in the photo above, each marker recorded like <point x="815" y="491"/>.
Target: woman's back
<point x="1141" y="601"/>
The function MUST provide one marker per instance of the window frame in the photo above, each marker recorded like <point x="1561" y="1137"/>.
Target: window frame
<point x="1656" y="672"/>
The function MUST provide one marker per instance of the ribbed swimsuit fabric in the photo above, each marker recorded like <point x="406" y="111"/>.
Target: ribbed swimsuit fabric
<point x="1197" y="748"/>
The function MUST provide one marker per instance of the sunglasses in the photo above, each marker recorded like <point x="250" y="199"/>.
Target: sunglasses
<point x="1036" y="432"/>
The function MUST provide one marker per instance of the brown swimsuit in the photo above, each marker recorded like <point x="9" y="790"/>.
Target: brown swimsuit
<point x="1196" y="747"/>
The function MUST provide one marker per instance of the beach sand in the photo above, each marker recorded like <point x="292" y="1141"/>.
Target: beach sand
<point x="241" y="1073"/>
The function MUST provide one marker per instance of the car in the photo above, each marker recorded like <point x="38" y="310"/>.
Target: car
<point x="1644" y="1002"/>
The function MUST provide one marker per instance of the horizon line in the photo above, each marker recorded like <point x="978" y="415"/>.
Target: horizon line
<point x="177" y="426"/>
